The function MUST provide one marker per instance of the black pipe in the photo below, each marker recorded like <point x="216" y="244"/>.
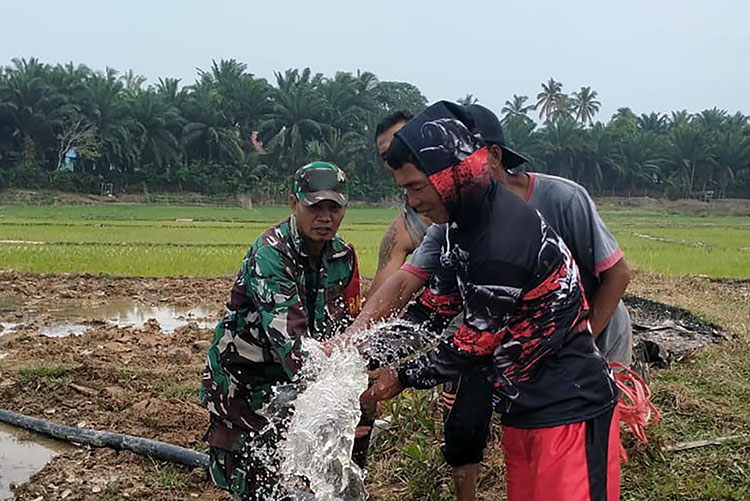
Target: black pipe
<point x="118" y="441"/>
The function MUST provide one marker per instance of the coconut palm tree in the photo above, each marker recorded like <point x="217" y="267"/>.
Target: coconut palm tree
<point x="585" y="105"/>
<point x="551" y="99"/>
<point x="467" y="100"/>
<point x="517" y="107"/>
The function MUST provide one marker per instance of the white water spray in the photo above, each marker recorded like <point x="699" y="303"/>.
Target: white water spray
<point x="319" y="414"/>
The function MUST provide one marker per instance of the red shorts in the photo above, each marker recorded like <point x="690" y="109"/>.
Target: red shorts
<point x="572" y="462"/>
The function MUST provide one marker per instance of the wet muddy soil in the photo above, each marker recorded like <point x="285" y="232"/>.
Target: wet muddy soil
<point x="139" y="373"/>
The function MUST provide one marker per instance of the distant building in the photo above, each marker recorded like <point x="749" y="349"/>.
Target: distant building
<point x="68" y="164"/>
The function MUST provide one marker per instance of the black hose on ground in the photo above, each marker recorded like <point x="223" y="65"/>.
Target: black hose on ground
<point x="118" y="441"/>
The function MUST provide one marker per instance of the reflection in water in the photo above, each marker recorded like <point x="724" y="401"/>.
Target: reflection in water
<point x="7" y="327"/>
<point x="127" y="314"/>
<point x="169" y="317"/>
<point x="63" y="330"/>
<point x="20" y="459"/>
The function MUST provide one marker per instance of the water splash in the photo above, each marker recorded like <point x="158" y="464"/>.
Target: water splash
<point x="391" y="340"/>
<point x="318" y="414"/>
<point x="320" y="436"/>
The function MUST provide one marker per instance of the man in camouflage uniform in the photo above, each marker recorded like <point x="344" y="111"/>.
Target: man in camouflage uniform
<point x="298" y="279"/>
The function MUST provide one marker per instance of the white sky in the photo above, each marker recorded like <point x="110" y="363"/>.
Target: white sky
<point x="656" y="55"/>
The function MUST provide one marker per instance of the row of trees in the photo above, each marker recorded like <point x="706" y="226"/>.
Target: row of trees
<point x="676" y="154"/>
<point x="232" y="132"/>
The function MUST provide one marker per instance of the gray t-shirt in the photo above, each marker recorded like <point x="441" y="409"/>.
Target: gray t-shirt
<point x="571" y="212"/>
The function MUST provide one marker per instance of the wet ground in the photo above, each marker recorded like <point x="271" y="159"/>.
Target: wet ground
<point x="125" y="354"/>
<point x="23" y="454"/>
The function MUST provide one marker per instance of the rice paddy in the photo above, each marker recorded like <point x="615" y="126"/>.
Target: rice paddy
<point x="146" y="240"/>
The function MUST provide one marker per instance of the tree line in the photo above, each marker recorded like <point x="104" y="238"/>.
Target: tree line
<point x="232" y="132"/>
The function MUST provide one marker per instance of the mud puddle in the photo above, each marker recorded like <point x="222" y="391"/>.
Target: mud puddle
<point x="128" y="314"/>
<point x="74" y="320"/>
<point x="22" y="454"/>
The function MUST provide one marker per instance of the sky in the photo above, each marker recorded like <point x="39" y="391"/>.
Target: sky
<point x="655" y="55"/>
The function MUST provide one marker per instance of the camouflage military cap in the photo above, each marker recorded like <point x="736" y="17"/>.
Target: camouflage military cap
<point x="320" y="181"/>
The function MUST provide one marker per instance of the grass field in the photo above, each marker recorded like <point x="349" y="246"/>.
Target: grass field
<point x="147" y="240"/>
<point x="701" y="398"/>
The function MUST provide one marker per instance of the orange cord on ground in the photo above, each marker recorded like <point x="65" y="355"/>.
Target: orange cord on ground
<point x="635" y="407"/>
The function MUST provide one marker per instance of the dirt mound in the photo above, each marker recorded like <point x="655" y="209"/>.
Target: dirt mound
<point x="142" y="381"/>
<point x="663" y="334"/>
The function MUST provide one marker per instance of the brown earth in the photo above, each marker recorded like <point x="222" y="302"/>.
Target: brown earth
<point x="143" y="382"/>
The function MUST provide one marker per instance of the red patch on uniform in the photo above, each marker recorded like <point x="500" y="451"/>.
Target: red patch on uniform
<point x="352" y="293"/>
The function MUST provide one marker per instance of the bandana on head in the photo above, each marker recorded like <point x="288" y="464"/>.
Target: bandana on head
<point x="453" y="158"/>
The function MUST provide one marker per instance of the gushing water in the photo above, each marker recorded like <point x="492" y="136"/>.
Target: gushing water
<point x="318" y="414"/>
<point x="318" y="442"/>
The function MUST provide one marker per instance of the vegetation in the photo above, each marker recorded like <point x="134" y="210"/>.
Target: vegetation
<point x="198" y="241"/>
<point x="54" y="374"/>
<point x="231" y="132"/>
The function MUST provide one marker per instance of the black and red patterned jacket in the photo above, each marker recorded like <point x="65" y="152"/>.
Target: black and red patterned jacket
<point x="525" y="324"/>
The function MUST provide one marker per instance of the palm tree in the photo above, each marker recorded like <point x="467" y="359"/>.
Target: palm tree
<point x="713" y="119"/>
<point x="689" y="156"/>
<point x="585" y="105"/>
<point x="155" y="121"/>
<point x="731" y="151"/>
<point x="680" y="117"/>
<point x="565" y="143"/>
<point x="653" y="122"/>
<point x="551" y="99"/>
<point x="35" y="110"/>
<point x="133" y="82"/>
<point x="395" y="96"/>
<point x="109" y="110"/>
<point x="517" y="107"/>
<point x="207" y="134"/>
<point x="242" y="98"/>
<point x="467" y="100"/>
<point x="298" y="116"/>
<point x="624" y="120"/>
<point x="169" y="90"/>
<point x="638" y="157"/>
<point x="348" y="100"/>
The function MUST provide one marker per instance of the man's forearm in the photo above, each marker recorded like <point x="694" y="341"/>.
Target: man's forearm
<point x="614" y="282"/>
<point x="388" y="300"/>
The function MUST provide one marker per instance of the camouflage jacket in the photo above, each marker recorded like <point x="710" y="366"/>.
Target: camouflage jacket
<point x="278" y="298"/>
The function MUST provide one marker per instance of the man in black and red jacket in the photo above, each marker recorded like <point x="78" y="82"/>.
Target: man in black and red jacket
<point x="525" y="317"/>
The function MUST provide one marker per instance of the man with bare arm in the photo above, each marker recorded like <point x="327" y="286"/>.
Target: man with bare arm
<point x="408" y="229"/>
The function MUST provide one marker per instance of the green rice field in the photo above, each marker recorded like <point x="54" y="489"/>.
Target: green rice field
<point x="147" y="240"/>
